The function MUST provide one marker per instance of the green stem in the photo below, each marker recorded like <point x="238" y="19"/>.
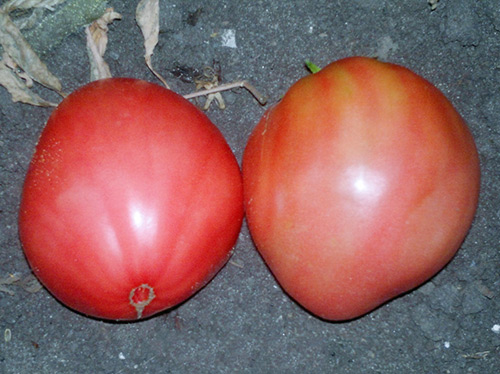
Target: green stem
<point x="313" y="68"/>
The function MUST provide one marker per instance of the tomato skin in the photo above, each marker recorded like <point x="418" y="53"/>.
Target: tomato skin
<point x="359" y="185"/>
<point x="132" y="196"/>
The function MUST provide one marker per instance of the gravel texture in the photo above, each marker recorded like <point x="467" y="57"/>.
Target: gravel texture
<point x="242" y="322"/>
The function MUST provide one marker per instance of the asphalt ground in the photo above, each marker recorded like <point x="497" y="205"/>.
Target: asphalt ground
<point x="243" y="322"/>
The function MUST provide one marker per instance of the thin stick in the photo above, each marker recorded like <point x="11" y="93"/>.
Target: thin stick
<point x="229" y="86"/>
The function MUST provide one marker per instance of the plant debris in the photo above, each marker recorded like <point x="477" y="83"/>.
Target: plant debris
<point x="229" y="86"/>
<point x="37" y="27"/>
<point x="6" y="281"/>
<point x="21" y="65"/>
<point x="207" y="84"/>
<point x="209" y="79"/>
<point x="22" y="57"/>
<point x="185" y="73"/>
<point x="29" y="4"/>
<point x="52" y="21"/>
<point x="433" y="4"/>
<point x="476" y="355"/>
<point x="147" y="16"/>
<point x="97" y="40"/>
<point x="28" y="283"/>
<point x="18" y="88"/>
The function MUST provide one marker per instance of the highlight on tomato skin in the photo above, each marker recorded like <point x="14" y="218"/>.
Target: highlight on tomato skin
<point x="132" y="201"/>
<point x="359" y="185"/>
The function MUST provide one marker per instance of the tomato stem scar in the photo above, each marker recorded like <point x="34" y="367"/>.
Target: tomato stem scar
<point x="140" y="297"/>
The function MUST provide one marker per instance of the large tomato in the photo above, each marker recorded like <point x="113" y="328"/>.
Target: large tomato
<point x="132" y="202"/>
<point x="359" y="185"/>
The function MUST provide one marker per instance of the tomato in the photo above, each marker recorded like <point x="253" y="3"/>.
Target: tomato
<point x="359" y="185"/>
<point x="132" y="202"/>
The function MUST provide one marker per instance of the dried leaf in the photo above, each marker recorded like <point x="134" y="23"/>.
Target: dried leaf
<point x="210" y="80"/>
<point x="6" y="290"/>
<point x="28" y="4"/>
<point x="218" y="98"/>
<point x="28" y="283"/>
<point x="485" y="291"/>
<point x="147" y="15"/>
<point x="20" y="51"/>
<point x="31" y="284"/>
<point x="10" y="279"/>
<point x="13" y="66"/>
<point x="97" y="40"/>
<point x="19" y="89"/>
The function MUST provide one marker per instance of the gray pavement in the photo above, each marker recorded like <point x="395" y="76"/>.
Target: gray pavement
<point x="242" y="322"/>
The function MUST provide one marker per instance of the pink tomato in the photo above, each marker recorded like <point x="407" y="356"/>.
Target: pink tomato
<point x="132" y="202"/>
<point x="359" y="185"/>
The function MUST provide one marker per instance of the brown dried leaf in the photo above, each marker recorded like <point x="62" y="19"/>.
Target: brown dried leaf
<point x="19" y="89"/>
<point x="147" y="15"/>
<point x="97" y="40"/>
<point x="21" y="53"/>
<point x="13" y="66"/>
<point x="210" y="80"/>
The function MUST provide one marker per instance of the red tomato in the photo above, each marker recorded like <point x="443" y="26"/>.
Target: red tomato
<point x="132" y="202"/>
<point x="359" y="185"/>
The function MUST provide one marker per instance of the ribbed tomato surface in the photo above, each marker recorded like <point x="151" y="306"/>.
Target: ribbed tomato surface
<point x="359" y="185"/>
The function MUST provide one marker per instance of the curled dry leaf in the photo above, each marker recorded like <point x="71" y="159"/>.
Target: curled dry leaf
<point x="13" y="66"/>
<point x="97" y="39"/>
<point x="147" y="15"/>
<point x="19" y="89"/>
<point x="209" y="80"/>
<point x="21" y="53"/>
